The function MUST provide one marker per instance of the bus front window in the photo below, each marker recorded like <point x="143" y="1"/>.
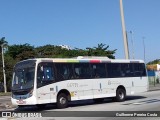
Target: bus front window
<point x="23" y="78"/>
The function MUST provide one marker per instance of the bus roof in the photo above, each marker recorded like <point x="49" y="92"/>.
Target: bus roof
<point x="81" y="59"/>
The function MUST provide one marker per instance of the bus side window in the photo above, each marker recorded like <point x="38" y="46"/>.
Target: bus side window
<point x="45" y="74"/>
<point x="114" y="70"/>
<point x="98" y="70"/>
<point x="139" y="69"/>
<point x="39" y="74"/>
<point x="63" y="71"/>
<point x="82" y="71"/>
<point x="77" y="72"/>
<point x="127" y="70"/>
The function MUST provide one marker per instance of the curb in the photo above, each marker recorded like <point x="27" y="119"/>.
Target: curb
<point x="153" y="89"/>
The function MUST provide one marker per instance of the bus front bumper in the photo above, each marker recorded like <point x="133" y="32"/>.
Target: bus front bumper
<point x="28" y="101"/>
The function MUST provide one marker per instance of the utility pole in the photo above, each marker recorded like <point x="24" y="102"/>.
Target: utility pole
<point x="132" y="44"/>
<point x="4" y="74"/>
<point x="124" y="31"/>
<point x="144" y="48"/>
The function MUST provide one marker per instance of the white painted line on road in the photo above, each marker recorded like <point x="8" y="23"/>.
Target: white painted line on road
<point x="143" y="102"/>
<point x="138" y="103"/>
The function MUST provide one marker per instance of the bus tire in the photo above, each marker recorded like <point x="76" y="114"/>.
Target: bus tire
<point x="120" y="95"/>
<point x="62" y="101"/>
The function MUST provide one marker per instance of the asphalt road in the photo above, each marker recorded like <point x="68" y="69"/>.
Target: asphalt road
<point x="139" y="103"/>
<point x="5" y="99"/>
<point x="5" y="102"/>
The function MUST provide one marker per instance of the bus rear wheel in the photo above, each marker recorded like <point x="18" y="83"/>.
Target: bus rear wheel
<point x="62" y="101"/>
<point x="120" y="95"/>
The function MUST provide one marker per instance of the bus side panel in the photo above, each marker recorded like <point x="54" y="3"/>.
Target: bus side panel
<point x="139" y="84"/>
<point x="43" y="94"/>
<point x="101" y="88"/>
<point x="80" y="89"/>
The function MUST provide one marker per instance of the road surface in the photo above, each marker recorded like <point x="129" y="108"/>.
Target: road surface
<point x="138" y="104"/>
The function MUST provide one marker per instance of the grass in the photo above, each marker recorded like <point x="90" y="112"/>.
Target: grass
<point x="5" y="94"/>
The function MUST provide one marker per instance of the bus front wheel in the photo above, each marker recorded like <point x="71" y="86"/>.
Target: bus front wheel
<point x="62" y="101"/>
<point x="120" y="95"/>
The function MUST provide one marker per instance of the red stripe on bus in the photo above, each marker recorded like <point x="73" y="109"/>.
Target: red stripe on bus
<point x="94" y="61"/>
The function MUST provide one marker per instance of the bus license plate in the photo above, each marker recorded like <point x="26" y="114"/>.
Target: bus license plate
<point x="21" y="102"/>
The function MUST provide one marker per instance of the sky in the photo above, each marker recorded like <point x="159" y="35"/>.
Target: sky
<point x="83" y="23"/>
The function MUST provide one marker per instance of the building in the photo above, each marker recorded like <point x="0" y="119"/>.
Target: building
<point x="154" y="67"/>
<point x="65" y="47"/>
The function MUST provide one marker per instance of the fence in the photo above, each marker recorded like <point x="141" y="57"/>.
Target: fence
<point x="154" y="83"/>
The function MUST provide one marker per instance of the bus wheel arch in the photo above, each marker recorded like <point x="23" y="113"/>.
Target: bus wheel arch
<point x="120" y="93"/>
<point x="63" y="97"/>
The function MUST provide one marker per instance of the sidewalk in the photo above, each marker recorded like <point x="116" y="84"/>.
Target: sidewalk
<point x="156" y="87"/>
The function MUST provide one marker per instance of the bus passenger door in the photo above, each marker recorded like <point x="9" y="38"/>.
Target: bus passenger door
<point x="84" y="80"/>
<point x="85" y="89"/>
<point x="45" y="77"/>
<point x="99" y="80"/>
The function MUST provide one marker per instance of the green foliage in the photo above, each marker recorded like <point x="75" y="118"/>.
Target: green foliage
<point x="21" y="52"/>
<point x="101" y="50"/>
<point x="157" y="61"/>
<point x="16" y="53"/>
<point x="2" y="41"/>
<point x="48" y="51"/>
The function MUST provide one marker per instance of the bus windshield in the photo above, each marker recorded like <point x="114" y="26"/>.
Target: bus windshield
<point x="23" y="77"/>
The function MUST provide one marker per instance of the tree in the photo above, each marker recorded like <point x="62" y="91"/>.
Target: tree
<point x="157" y="61"/>
<point x="21" y="52"/>
<point x="16" y="53"/>
<point x="9" y="65"/>
<point x="49" y="51"/>
<point x="2" y="40"/>
<point x="101" y="50"/>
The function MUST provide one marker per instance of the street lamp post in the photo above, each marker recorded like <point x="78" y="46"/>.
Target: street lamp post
<point x="132" y="44"/>
<point x="124" y="31"/>
<point x="4" y="74"/>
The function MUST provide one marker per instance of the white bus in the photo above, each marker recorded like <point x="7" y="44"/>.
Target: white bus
<point x="44" y="80"/>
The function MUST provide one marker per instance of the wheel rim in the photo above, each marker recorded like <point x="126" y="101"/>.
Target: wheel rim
<point x="121" y="95"/>
<point x="63" y="100"/>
